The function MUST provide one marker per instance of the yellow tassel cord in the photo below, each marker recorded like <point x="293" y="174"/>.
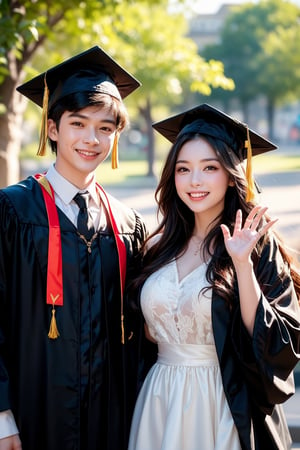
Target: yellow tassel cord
<point x="122" y="329"/>
<point x="53" y="331"/>
<point x="44" y="126"/>
<point x="249" y="176"/>
<point x="114" y="153"/>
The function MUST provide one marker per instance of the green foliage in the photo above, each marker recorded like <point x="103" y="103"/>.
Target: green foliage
<point x="260" y="50"/>
<point x="144" y="37"/>
<point x="281" y="60"/>
<point x="151" y="43"/>
<point x="134" y="32"/>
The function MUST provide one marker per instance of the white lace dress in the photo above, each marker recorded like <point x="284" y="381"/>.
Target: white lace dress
<point x="182" y="405"/>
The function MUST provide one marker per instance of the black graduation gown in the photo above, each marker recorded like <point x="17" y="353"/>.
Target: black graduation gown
<point x="85" y="382"/>
<point x="257" y="372"/>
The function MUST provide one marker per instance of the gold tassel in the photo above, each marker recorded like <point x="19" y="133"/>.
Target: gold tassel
<point x="44" y="126"/>
<point x="249" y="176"/>
<point x="122" y="329"/>
<point x="114" y="153"/>
<point x="53" y="331"/>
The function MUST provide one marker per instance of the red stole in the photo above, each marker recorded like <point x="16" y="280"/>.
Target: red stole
<point x="54" y="295"/>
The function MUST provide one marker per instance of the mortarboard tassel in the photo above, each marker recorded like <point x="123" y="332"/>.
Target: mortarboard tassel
<point x="53" y="330"/>
<point x="114" y="153"/>
<point x="249" y="176"/>
<point x="44" y="127"/>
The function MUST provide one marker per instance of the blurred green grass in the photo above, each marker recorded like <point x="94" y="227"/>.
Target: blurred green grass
<point x="269" y="162"/>
<point x="128" y="172"/>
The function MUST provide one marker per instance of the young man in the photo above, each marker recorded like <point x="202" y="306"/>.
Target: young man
<point x="69" y="360"/>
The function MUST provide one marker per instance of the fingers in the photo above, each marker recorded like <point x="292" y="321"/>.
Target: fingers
<point x="253" y="220"/>
<point x="226" y="232"/>
<point x="254" y="217"/>
<point x="251" y="224"/>
<point x="238" y="221"/>
<point x="266" y="227"/>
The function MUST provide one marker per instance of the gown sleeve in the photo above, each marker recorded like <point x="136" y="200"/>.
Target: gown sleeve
<point x="270" y="355"/>
<point x="6" y="230"/>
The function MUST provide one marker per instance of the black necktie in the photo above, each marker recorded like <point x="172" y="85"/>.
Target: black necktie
<point x="84" y="221"/>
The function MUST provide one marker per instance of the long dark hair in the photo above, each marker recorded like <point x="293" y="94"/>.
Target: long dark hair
<point x="178" y="222"/>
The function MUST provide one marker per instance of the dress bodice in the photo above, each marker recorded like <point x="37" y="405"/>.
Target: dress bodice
<point x="178" y="311"/>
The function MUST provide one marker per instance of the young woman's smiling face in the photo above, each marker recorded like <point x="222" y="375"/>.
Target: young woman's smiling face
<point x="200" y="179"/>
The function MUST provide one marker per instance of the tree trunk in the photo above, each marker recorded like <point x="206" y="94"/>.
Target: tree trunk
<point x="11" y="127"/>
<point x="10" y="142"/>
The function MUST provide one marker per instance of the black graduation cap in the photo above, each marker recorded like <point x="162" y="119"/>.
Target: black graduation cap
<point x="212" y="121"/>
<point x="207" y="120"/>
<point x="92" y="71"/>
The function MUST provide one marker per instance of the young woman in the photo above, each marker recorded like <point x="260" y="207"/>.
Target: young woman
<point x="219" y="296"/>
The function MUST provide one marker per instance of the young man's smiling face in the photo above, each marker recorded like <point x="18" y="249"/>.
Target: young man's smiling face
<point x="84" y="140"/>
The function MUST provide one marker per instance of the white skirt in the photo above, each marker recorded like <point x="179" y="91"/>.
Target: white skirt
<point x="182" y="405"/>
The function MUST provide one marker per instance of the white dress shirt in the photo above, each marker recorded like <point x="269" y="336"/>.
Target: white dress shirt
<point x="64" y="193"/>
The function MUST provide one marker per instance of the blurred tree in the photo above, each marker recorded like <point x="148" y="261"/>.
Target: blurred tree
<point x="280" y="78"/>
<point x="144" y="38"/>
<point x="259" y="46"/>
<point x="26" y="26"/>
<point x="154" y="42"/>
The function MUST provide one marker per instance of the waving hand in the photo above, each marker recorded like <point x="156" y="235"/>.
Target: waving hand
<point x="240" y="244"/>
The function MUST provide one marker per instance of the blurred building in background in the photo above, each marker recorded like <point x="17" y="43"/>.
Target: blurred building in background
<point x="205" y="29"/>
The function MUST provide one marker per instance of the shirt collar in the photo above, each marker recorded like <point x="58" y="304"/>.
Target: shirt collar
<point x="93" y="191"/>
<point x="67" y="190"/>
